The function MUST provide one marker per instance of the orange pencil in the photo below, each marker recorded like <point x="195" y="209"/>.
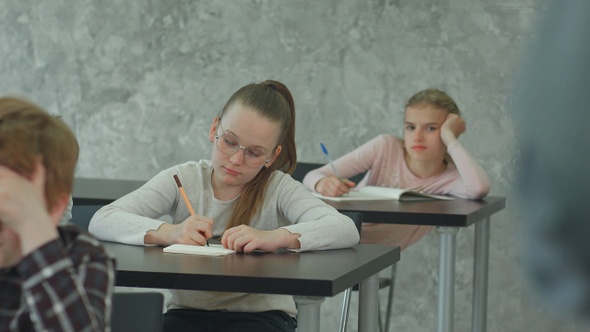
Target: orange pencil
<point x="186" y="201"/>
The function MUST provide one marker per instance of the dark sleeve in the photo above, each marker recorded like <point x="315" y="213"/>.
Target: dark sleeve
<point x="68" y="284"/>
<point x="551" y="108"/>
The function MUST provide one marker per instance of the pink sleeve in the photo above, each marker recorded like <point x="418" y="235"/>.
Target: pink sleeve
<point x="311" y="178"/>
<point x="474" y="182"/>
<point x="355" y="162"/>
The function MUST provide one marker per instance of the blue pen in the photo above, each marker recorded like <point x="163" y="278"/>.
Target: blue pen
<point x="330" y="161"/>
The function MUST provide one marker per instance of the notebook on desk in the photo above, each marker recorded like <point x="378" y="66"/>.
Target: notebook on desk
<point x="211" y="250"/>
<point x="374" y="193"/>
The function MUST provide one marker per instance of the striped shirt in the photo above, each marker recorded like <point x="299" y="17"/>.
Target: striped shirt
<point x="64" y="285"/>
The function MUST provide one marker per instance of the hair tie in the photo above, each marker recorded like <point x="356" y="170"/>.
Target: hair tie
<point x="272" y="86"/>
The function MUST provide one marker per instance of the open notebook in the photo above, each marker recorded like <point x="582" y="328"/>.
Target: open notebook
<point x="211" y="250"/>
<point x="374" y="193"/>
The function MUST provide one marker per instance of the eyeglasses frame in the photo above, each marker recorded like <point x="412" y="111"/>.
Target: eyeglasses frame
<point x="218" y="136"/>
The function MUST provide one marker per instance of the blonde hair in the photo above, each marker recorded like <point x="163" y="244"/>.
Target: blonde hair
<point x="437" y="98"/>
<point x="274" y="101"/>
<point x="27" y="132"/>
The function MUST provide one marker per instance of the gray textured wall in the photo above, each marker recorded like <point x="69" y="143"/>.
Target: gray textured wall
<point x="140" y="81"/>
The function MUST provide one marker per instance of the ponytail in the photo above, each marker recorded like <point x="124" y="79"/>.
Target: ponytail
<point x="274" y="101"/>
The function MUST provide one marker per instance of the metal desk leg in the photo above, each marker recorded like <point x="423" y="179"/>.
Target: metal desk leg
<point x="446" y="279"/>
<point x="368" y="304"/>
<point x="480" y="275"/>
<point x="308" y="313"/>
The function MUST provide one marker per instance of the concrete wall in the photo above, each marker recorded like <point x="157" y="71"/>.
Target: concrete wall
<point x="140" y="81"/>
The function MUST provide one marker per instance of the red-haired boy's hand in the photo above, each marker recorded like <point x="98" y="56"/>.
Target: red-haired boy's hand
<point x="23" y="208"/>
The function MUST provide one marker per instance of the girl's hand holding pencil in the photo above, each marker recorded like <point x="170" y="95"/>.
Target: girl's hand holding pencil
<point x="195" y="230"/>
<point x="333" y="186"/>
<point x="185" y="231"/>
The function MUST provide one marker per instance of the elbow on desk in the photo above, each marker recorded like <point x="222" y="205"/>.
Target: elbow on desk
<point x="95" y="224"/>
<point x="472" y="191"/>
<point x="356" y="238"/>
<point x="476" y="193"/>
<point x="103" y="229"/>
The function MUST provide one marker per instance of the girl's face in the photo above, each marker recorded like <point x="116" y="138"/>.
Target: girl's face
<point x="422" y="133"/>
<point x="255" y="138"/>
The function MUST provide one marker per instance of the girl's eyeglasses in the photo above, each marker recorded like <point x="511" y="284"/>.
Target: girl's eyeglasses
<point x="228" y="144"/>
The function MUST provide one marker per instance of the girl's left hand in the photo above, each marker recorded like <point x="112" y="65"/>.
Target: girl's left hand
<point x="247" y="239"/>
<point x="452" y="128"/>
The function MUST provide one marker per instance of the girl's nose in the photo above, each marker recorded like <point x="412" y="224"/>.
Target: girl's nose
<point x="418" y="135"/>
<point x="238" y="157"/>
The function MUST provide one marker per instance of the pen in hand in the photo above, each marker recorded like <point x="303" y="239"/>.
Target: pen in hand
<point x="186" y="201"/>
<point x="331" y="163"/>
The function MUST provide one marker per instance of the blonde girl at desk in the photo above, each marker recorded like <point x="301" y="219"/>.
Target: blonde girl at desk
<point x="243" y="195"/>
<point x="429" y="158"/>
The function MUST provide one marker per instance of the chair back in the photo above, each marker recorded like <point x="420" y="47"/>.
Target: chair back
<point x="302" y="168"/>
<point x="357" y="217"/>
<point x="81" y="215"/>
<point x="137" y="311"/>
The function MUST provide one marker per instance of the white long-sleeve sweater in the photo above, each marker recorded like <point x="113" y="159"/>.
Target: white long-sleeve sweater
<point x="287" y="204"/>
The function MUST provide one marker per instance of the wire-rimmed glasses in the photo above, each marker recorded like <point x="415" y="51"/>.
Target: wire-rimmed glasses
<point x="228" y="144"/>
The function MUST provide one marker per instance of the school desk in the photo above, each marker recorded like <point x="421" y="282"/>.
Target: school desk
<point x="448" y="217"/>
<point x="308" y="276"/>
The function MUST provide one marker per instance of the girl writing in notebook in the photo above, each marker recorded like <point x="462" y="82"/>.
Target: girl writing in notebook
<point x="429" y="159"/>
<point x="242" y="195"/>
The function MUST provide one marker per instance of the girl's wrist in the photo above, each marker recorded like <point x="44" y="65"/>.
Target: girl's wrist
<point x="290" y="240"/>
<point x="448" y="137"/>
<point x="156" y="236"/>
<point x="315" y="188"/>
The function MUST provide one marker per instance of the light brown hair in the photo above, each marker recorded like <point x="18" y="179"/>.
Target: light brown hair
<point x="27" y="132"/>
<point x="437" y="98"/>
<point x="274" y="101"/>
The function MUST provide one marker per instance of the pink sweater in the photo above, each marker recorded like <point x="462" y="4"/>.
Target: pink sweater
<point x="383" y="158"/>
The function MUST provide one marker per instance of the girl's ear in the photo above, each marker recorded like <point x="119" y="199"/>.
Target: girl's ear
<point x="213" y="129"/>
<point x="274" y="156"/>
